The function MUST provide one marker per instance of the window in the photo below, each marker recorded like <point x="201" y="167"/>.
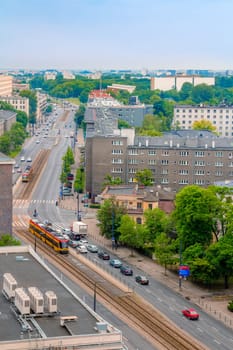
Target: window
<point x="165" y="153"/>
<point x="218" y="173"/>
<point x="199" y="182"/>
<point x="133" y="152"/>
<point x="199" y="154"/>
<point x="183" y="182"/>
<point x="117" y="142"/>
<point x="139" y="205"/>
<point x="150" y="206"/>
<point x="183" y="162"/>
<point x="218" y="154"/>
<point x="117" y="151"/>
<point x="164" y="161"/>
<point x="139" y="221"/>
<point x="199" y="163"/>
<point x="117" y="170"/>
<point x="183" y="172"/>
<point x="117" y="161"/>
<point x="133" y="161"/>
<point x="151" y="161"/>
<point x="164" y="181"/>
<point x="164" y="171"/>
<point x="151" y="153"/>
<point x="132" y="171"/>
<point x="218" y="163"/>
<point x="184" y="153"/>
<point x="199" y="172"/>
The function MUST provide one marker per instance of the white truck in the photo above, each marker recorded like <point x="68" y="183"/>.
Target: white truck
<point x="79" y="228"/>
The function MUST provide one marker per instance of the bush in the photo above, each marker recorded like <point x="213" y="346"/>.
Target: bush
<point x="230" y="306"/>
<point x="94" y="205"/>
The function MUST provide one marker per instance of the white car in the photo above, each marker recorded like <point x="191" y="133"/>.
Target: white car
<point x="22" y="159"/>
<point x="29" y="159"/>
<point x="82" y="249"/>
<point x="83" y="241"/>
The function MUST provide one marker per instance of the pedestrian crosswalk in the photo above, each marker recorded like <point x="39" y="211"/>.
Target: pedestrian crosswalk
<point x="21" y="221"/>
<point x="24" y="203"/>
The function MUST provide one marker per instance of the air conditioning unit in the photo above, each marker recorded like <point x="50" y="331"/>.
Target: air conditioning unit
<point x="22" y="301"/>
<point x="36" y="300"/>
<point x="9" y="285"/>
<point x="51" y="301"/>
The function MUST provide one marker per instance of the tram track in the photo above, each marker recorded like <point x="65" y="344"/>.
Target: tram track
<point x="153" y="325"/>
<point x="25" y="189"/>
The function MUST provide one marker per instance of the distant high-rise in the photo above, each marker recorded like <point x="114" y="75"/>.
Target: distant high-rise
<point x="6" y="85"/>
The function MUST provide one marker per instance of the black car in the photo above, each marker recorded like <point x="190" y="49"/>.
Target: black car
<point x="103" y="255"/>
<point x="126" y="270"/>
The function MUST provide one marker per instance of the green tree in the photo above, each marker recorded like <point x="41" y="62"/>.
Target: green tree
<point x="8" y="240"/>
<point x="123" y="124"/>
<point x="156" y="222"/>
<point x="109" y="217"/>
<point x="144" y="177"/>
<point x="202" y="93"/>
<point x="164" y="250"/>
<point x="203" y="124"/>
<point x="195" y="208"/>
<point x="129" y="233"/>
<point x="22" y="118"/>
<point x="109" y="180"/>
<point x="79" y="180"/>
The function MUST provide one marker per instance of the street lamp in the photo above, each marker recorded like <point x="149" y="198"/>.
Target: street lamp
<point x="78" y="215"/>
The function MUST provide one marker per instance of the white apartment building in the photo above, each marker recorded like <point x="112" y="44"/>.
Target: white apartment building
<point x="68" y="75"/>
<point x="176" y="82"/>
<point x="6" y="85"/>
<point x="50" y="76"/>
<point x="18" y="102"/>
<point x="220" y="116"/>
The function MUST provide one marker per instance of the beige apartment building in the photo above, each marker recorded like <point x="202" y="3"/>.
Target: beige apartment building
<point x="6" y="85"/>
<point x="18" y="102"/>
<point x="41" y="106"/>
<point x="176" y="82"/>
<point x="220" y="116"/>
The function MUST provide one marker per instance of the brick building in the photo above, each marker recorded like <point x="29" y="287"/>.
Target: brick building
<point x="6" y="194"/>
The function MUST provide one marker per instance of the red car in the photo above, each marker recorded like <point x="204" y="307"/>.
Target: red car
<point x="191" y="314"/>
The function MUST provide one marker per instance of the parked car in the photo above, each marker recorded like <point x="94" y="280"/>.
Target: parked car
<point x="72" y="244"/>
<point x="126" y="270"/>
<point x="82" y="249"/>
<point x="92" y="248"/>
<point x="19" y="170"/>
<point x="68" y="184"/>
<point x="103" y="255"/>
<point x="70" y="177"/>
<point x="115" y="263"/>
<point x="142" y="280"/>
<point x="191" y="314"/>
<point x="66" y="231"/>
<point x="67" y="193"/>
<point x="83" y="241"/>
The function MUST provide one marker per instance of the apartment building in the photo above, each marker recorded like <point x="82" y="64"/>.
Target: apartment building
<point x="220" y="116"/>
<point x="50" y="75"/>
<point x="7" y="118"/>
<point x="176" y="159"/>
<point x="176" y="82"/>
<point x="6" y="85"/>
<point x="6" y="195"/>
<point x="41" y="106"/>
<point x="18" y="102"/>
<point x="118" y="87"/>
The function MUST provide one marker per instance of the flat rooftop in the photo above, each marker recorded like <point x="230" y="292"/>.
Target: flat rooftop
<point x="29" y="271"/>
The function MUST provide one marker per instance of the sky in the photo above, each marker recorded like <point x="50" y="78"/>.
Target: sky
<point x="116" y="34"/>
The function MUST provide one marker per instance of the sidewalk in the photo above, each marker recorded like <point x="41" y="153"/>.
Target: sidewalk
<point x="213" y="302"/>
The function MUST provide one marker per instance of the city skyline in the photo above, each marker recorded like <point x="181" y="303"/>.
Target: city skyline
<point x="122" y="34"/>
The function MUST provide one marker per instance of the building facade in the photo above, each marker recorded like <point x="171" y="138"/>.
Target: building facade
<point x="6" y="85"/>
<point x="220" y="116"/>
<point x="18" y="102"/>
<point x="6" y="195"/>
<point x="175" y="159"/>
<point x="176" y="82"/>
<point x="7" y="118"/>
<point x="41" y="106"/>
